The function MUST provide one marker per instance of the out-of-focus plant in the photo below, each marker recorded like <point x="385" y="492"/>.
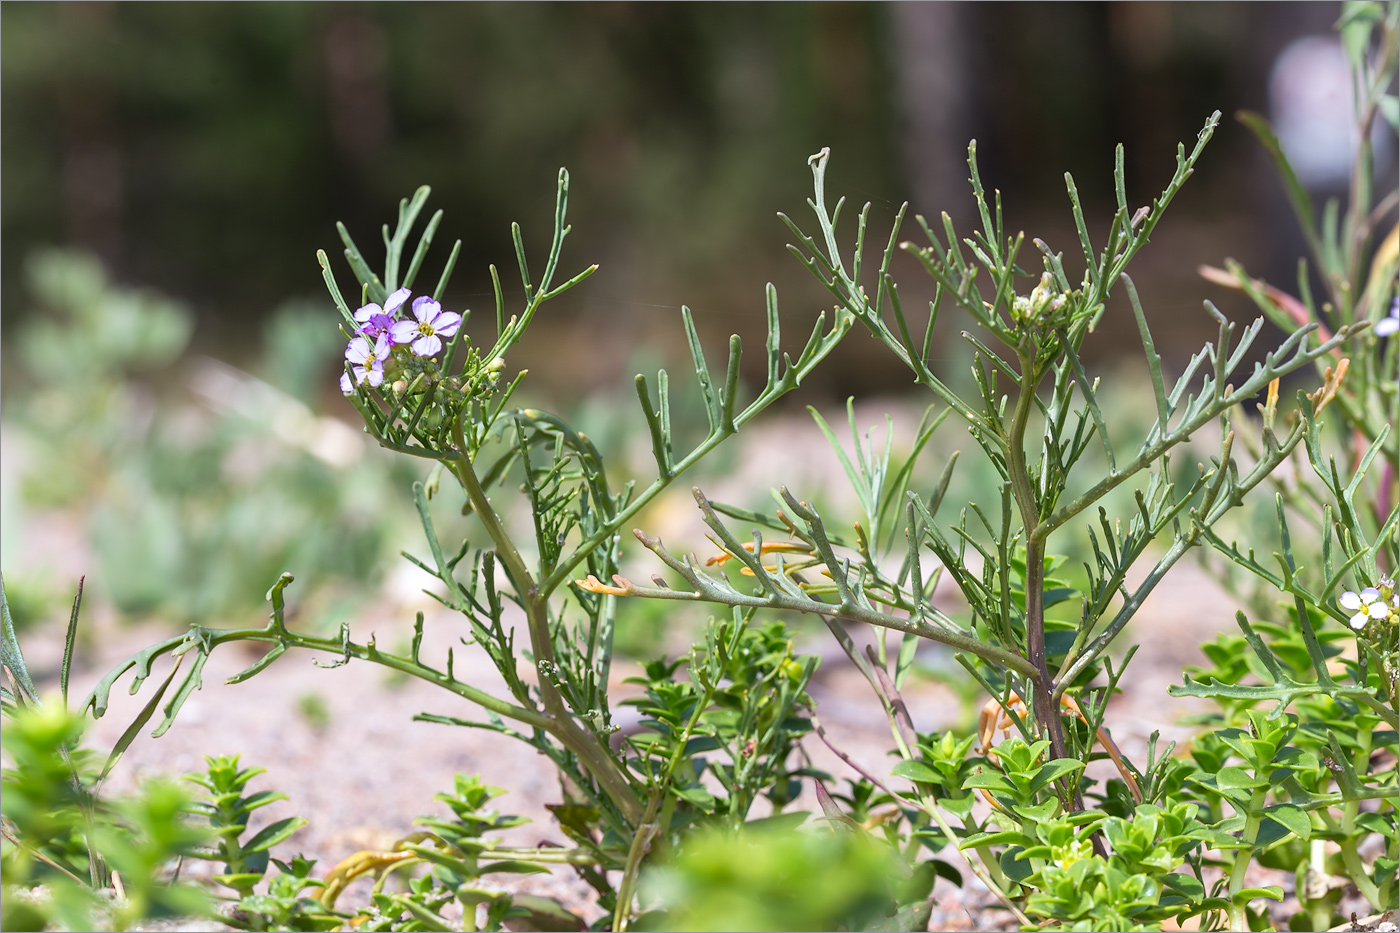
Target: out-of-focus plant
<point x="220" y="492"/>
<point x="69" y="854"/>
<point x="771" y="878"/>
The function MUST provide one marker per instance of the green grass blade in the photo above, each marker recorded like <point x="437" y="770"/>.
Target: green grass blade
<point x="365" y="275"/>
<point x="70" y="640"/>
<point x="447" y="271"/>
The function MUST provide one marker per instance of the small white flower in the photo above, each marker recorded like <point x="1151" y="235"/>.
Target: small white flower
<point x="1365" y="606"/>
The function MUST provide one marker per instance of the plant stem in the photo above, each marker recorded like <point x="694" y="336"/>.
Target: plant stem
<point x="1356" y="872"/>
<point x="1244" y="855"/>
<point x="1041" y="685"/>
<point x="592" y="753"/>
<point x="641" y="844"/>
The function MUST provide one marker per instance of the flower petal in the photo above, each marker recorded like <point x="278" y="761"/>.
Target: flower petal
<point x="1359" y="620"/>
<point x="1378" y="610"/>
<point x="375" y="376"/>
<point x="427" y="345"/>
<point x="1350" y="601"/>
<point x="345" y="384"/>
<point x="402" y="332"/>
<point x="357" y="351"/>
<point x="447" y="323"/>
<point x="425" y="309"/>
<point x="396" y="300"/>
<point x="367" y="312"/>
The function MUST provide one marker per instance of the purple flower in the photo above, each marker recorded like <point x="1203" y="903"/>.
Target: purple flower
<point x="1389" y="324"/>
<point x="432" y="324"/>
<point x="368" y="362"/>
<point x="375" y="320"/>
<point x="375" y="325"/>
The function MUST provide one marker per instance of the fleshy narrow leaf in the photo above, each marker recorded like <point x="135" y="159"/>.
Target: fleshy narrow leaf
<point x="408" y="215"/>
<point x="702" y="370"/>
<point x="273" y="834"/>
<point x="916" y="771"/>
<point x="424" y="241"/>
<point x="10" y="654"/>
<point x="447" y="271"/>
<point x="363" y="273"/>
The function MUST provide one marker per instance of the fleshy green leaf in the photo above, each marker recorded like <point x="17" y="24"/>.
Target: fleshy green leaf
<point x="271" y="835"/>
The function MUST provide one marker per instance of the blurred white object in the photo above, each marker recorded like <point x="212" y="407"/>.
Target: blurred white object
<point x="227" y="389"/>
<point x="1314" y="113"/>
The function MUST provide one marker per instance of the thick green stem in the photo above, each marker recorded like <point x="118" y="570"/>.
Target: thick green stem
<point x="591" y="751"/>
<point x="1347" y="843"/>
<point x="641" y="845"/>
<point x="1024" y="491"/>
<point x="1244" y="855"/>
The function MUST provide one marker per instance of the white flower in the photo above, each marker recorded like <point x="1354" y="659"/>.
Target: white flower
<point x="1367" y="605"/>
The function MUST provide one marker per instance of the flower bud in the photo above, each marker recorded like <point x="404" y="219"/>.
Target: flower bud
<point x="1041" y="306"/>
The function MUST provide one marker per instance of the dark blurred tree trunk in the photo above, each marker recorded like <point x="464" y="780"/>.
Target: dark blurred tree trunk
<point x="935" y="103"/>
<point x="356" y="59"/>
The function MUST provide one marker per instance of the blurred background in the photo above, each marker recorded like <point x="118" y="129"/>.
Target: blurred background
<point x="206" y="150"/>
<point x="199" y="154"/>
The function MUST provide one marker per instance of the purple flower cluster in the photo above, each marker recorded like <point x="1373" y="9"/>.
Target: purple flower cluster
<point x="380" y="330"/>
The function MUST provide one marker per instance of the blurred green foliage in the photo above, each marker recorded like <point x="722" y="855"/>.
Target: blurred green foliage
<point x="220" y="491"/>
<point x="60" y="834"/>
<point x="777" y="879"/>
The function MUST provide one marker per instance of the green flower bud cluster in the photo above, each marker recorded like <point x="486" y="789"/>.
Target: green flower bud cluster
<point x="1045" y="305"/>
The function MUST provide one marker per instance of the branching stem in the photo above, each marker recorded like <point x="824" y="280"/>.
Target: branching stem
<point x="535" y="601"/>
